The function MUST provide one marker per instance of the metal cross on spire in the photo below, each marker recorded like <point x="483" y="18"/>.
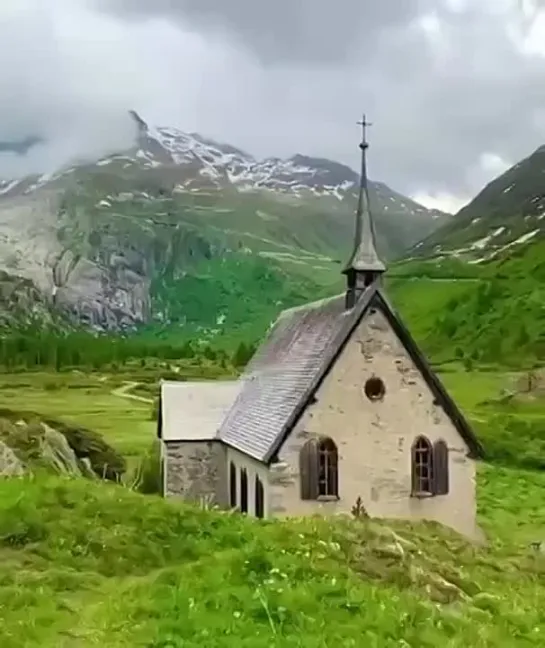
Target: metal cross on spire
<point x="364" y="264"/>
<point x="364" y="123"/>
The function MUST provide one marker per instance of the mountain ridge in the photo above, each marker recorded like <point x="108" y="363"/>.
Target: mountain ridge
<point x="508" y="212"/>
<point x="167" y="145"/>
<point x="132" y="238"/>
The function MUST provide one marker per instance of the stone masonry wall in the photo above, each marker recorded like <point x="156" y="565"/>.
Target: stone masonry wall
<point x="196" y="471"/>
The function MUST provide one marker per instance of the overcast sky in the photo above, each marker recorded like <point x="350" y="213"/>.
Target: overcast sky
<point x="455" y="88"/>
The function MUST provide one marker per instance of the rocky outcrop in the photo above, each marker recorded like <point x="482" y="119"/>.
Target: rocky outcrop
<point x="10" y="464"/>
<point x="28" y="445"/>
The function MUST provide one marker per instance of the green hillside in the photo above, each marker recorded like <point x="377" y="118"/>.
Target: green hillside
<point x="88" y="566"/>
<point x="87" y="563"/>
<point x="511" y="208"/>
<point x="491" y="313"/>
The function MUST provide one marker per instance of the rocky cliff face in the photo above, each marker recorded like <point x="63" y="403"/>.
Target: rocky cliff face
<point x="143" y="236"/>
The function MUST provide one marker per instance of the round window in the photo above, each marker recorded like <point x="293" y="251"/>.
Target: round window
<point x="374" y="389"/>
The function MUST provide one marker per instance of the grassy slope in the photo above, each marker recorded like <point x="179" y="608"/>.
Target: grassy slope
<point x="494" y="312"/>
<point x="514" y="200"/>
<point x="486" y="311"/>
<point x="99" y="565"/>
<point x="88" y="566"/>
<point x="234" y="297"/>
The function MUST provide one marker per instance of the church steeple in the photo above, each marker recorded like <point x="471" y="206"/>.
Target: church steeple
<point x="364" y="265"/>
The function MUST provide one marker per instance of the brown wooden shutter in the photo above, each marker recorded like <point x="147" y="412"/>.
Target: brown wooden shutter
<point x="308" y="470"/>
<point x="415" y="484"/>
<point x="440" y="468"/>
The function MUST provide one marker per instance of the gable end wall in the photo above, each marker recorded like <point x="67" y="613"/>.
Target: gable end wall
<point x="374" y="438"/>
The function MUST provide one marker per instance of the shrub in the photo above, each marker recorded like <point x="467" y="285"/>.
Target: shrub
<point x="148" y="478"/>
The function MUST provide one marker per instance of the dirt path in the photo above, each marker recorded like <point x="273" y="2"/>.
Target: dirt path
<point x="124" y="392"/>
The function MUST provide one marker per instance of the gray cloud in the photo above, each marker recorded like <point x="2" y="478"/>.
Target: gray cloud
<point x="309" y="32"/>
<point x="445" y="81"/>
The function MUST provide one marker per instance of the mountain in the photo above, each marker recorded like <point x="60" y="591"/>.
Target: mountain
<point x="483" y="275"/>
<point x="179" y="229"/>
<point x="508" y="212"/>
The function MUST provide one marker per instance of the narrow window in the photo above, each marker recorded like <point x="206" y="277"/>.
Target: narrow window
<point x="259" y="498"/>
<point x="232" y="485"/>
<point x="243" y="491"/>
<point x="308" y="470"/>
<point x="440" y="468"/>
<point x="318" y="466"/>
<point x="422" y="467"/>
<point x="327" y="468"/>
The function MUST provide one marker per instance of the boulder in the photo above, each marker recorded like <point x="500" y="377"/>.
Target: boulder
<point x="10" y="465"/>
<point x="29" y="444"/>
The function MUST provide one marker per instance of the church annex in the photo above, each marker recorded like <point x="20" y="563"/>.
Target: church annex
<point x="337" y="405"/>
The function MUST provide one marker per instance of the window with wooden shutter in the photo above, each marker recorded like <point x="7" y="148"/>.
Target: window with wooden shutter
<point x="319" y="469"/>
<point x="441" y="468"/>
<point x="243" y="491"/>
<point x="308" y="470"/>
<point x="259" y="498"/>
<point x="232" y="485"/>
<point x="422" y="469"/>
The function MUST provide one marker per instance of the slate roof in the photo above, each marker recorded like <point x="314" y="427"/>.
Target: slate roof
<point x="301" y="347"/>
<point x="193" y="411"/>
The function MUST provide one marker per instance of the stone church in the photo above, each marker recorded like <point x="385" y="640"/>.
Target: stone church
<point x="337" y="406"/>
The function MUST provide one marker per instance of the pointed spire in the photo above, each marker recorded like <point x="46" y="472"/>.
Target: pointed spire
<point x="365" y="265"/>
<point x="364" y="256"/>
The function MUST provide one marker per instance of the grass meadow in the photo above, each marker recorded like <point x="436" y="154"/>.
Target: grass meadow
<point x="96" y="564"/>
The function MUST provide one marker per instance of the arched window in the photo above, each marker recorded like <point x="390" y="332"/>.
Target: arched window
<point x="259" y="498"/>
<point x="422" y="468"/>
<point x="243" y="491"/>
<point x="232" y="485"/>
<point x="327" y="468"/>
<point x="319" y="469"/>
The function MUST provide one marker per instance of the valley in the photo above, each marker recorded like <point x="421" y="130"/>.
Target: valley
<point x="169" y="261"/>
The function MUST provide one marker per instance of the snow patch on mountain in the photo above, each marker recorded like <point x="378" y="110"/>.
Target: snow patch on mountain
<point x="201" y="164"/>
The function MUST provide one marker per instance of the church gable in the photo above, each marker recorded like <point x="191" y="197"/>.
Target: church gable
<point x="376" y="383"/>
<point x="441" y="397"/>
<point x="375" y="333"/>
<point x="375" y="431"/>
